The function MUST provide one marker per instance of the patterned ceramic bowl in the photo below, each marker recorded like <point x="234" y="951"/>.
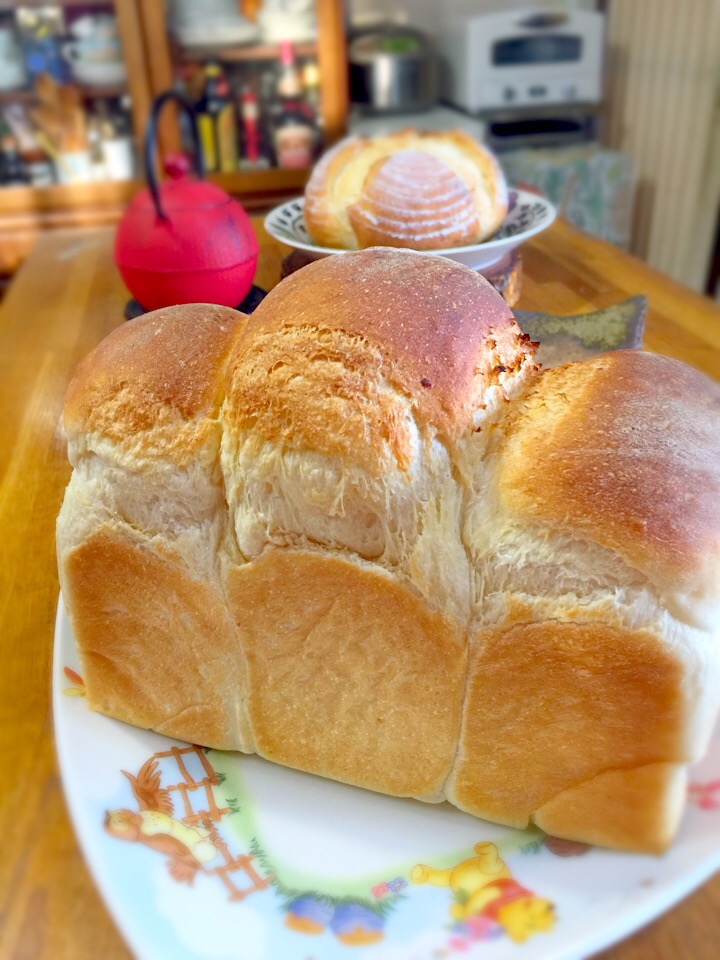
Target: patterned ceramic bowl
<point x="528" y="214"/>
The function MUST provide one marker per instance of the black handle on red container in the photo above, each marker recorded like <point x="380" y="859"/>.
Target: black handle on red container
<point x="151" y="144"/>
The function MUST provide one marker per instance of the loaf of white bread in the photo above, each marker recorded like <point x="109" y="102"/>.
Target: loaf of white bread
<point x="362" y="534"/>
<point x="423" y="190"/>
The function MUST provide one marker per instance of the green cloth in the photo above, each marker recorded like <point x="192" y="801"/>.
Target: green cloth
<point x="591" y="186"/>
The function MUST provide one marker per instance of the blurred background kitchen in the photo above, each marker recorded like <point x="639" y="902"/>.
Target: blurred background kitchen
<point x="609" y="107"/>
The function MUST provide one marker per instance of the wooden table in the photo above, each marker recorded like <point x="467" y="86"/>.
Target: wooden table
<point x="66" y="297"/>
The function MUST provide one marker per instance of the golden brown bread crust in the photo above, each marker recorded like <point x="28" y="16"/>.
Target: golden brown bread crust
<point x="429" y="327"/>
<point x="324" y="224"/>
<point x="160" y="369"/>
<point x="376" y="535"/>
<point x="328" y="692"/>
<point x="140" y="583"/>
<point x="644" y="484"/>
<point x="627" y="809"/>
<point x="553" y="705"/>
<point x="157" y="647"/>
<point x="418" y="189"/>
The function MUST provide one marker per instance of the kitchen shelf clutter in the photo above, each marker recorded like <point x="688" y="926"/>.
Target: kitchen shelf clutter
<point x="267" y="80"/>
<point x="35" y="4"/>
<point x="65" y="96"/>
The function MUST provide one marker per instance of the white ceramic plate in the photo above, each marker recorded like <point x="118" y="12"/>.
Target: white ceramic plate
<point x="192" y="33"/>
<point x="229" y="857"/>
<point x="99" y="74"/>
<point x="529" y="213"/>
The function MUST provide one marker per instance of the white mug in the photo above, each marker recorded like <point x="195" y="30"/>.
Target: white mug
<point x="118" y="158"/>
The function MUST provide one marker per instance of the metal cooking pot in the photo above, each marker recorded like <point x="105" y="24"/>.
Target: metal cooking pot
<point x="393" y="69"/>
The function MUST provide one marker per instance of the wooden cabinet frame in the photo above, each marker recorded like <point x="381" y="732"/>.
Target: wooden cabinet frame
<point x="256" y="187"/>
<point x="26" y="211"/>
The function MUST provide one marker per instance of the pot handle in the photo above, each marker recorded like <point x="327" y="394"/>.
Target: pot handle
<point x="151" y="144"/>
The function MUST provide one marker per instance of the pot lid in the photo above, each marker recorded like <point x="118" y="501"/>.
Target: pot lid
<point x="390" y="40"/>
<point x="180" y="190"/>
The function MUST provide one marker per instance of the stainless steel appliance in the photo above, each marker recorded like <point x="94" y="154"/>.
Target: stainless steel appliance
<point x="393" y="69"/>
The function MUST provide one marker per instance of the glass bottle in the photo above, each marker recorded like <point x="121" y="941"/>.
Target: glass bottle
<point x="217" y="123"/>
<point x="311" y="88"/>
<point x="255" y="154"/>
<point x="294" y="131"/>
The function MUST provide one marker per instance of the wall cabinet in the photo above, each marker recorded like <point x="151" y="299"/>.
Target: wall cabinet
<point x="108" y="59"/>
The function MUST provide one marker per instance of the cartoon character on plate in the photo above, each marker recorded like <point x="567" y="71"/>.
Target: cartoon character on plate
<point x="354" y="924"/>
<point x="487" y="900"/>
<point x="483" y="886"/>
<point x="194" y="843"/>
<point x="189" y="848"/>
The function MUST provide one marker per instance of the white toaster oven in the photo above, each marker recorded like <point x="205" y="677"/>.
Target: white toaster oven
<point x="528" y="58"/>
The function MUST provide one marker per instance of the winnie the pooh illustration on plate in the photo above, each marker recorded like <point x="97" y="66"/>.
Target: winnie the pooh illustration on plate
<point x="204" y="855"/>
<point x="482" y="886"/>
<point x="199" y="814"/>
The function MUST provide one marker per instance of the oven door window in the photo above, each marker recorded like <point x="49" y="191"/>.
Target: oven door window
<point x="548" y="48"/>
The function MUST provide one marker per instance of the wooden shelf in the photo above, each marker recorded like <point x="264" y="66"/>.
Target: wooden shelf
<point x="67" y="197"/>
<point x="107" y="193"/>
<point x="239" y="54"/>
<point x="27" y="95"/>
<point x="22" y="95"/>
<point x="272" y="180"/>
<point x="102" y="92"/>
<point x="9" y="6"/>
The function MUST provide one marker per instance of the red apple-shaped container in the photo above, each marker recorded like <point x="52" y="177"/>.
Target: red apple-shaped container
<point x="184" y="240"/>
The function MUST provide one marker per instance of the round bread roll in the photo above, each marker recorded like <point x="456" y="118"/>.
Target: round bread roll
<point x="423" y="190"/>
